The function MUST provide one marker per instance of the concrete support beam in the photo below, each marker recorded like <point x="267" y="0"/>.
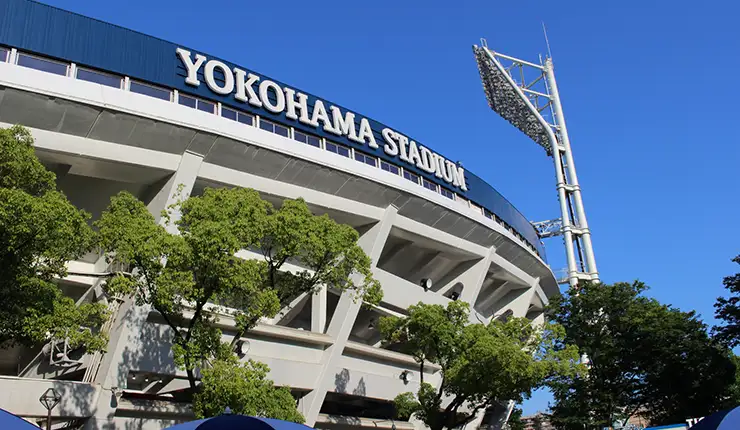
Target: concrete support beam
<point x="403" y="293"/>
<point x="475" y="423"/>
<point x="318" y="310"/>
<point x="471" y="279"/>
<point x="541" y="293"/>
<point x="521" y="276"/>
<point x="129" y="339"/>
<point x="170" y="192"/>
<point x="517" y="301"/>
<point x="425" y="267"/>
<point x="394" y="252"/>
<point x="372" y="242"/>
<point x="495" y="296"/>
<point x="286" y="315"/>
<point x="232" y="177"/>
<point x="501" y="416"/>
<point x="432" y="233"/>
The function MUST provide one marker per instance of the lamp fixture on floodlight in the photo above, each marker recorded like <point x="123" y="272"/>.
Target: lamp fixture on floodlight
<point x="524" y="93"/>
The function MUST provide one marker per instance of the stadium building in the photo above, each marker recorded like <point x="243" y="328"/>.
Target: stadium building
<point x="112" y="109"/>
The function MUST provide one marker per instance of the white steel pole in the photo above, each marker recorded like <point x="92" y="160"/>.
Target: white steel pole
<point x="576" y="189"/>
<point x="567" y="233"/>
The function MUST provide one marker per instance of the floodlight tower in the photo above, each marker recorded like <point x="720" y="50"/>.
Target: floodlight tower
<point x="526" y="95"/>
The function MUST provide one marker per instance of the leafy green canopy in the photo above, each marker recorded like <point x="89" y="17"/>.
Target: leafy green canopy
<point x="728" y="310"/>
<point x="183" y="275"/>
<point x="481" y="364"/>
<point x="645" y="357"/>
<point x="39" y="232"/>
<point x="515" y="420"/>
<point x="246" y="390"/>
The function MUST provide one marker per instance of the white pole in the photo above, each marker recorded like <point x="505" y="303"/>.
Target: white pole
<point x="576" y="189"/>
<point x="567" y="233"/>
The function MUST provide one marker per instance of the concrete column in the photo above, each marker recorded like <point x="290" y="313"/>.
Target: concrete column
<point x="131" y="334"/>
<point x="318" y="310"/>
<point x="475" y="422"/>
<point x="185" y="176"/>
<point x="517" y="301"/>
<point x="522" y="276"/>
<point x="125" y="340"/>
<point x="496" y="295"/>
<point x="372" y="242"/>
<point x="473" y="278"/>
<point x="288" y="313"/>
<point x="501" y="415"/>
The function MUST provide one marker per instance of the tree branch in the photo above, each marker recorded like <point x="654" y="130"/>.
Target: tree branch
<point x="471" y="415"/>
<point x="169" y="322"/>
<point x="454" y="404"/>
<point x="198" y="309"/>
<point x="637" y="408"/>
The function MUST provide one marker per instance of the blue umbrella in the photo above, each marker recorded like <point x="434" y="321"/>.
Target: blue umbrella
<point x="9" y="421"/>
<point x="723" y="420"/>
<point x="238" y="422"/>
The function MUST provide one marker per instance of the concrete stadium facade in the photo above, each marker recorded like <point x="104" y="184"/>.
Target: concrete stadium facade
<point x="147" y="118"/>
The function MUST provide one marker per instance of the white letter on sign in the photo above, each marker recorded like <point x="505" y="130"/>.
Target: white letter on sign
<point x="293" y="104"/>
<point x="391" y="147"/>
<point x="191" y="67"/>
<point x="344" y="125"/>
<point x="279" y="104"/>
<point x="211" y="79"/>
<point x="244" y="88"/>
<point x="367" y="132"/>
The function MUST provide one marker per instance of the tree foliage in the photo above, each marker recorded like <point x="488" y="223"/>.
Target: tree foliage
<point x="515" y="419"/>
<point x="728" y="310"/>
<point x="643" y="357"/>
<point x="481" y="364"/>
<point x="40" y="230"/>
<point x="245" y="389"/>
<point x="192" y="277"/>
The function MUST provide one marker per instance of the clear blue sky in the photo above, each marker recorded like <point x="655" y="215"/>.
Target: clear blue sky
<point x="649" y="89"/>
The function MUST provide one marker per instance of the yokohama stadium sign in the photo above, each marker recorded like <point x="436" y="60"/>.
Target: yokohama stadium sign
<point x="251" y="89"/>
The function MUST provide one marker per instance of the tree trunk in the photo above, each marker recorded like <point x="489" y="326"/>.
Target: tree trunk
<point x="191" y="376"/>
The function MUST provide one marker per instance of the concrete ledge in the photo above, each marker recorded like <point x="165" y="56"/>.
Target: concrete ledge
<point x="331" y="421"/>
<point x="274" y="331"/>
<point x="159" y="408"/>
<point x="21" y="397"/>
<point x="386" y="355"/>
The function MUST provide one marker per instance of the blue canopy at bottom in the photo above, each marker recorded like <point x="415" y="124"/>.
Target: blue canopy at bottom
<point x="723" y="420"/>
<point x="239" y="422"/>
<point x="9" y="421"/>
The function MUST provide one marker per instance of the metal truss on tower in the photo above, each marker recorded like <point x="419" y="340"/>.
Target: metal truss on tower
<point x="526" y="95"/>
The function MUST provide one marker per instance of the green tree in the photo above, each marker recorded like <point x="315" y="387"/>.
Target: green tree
<point x="245" y="389"/>
<point x="728" y="310"/>
<point x="643" y="356"/>
<point x="733" y="398"/>
<point x="40" y="230"/>
<point x="515" y="419"/>
<point x="481" y="364"/>
<point x="185" y="276"/>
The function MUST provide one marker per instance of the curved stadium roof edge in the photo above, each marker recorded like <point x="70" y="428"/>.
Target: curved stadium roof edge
<point x="88" y="42"/>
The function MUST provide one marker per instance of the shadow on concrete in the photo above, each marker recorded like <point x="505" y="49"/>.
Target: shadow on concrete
<point x="138" y="347"/>
<point x="360" y="389"/>
<point x="344" y="420"/>
<point x="341" y="383"/>
<point x="341" y="380"/>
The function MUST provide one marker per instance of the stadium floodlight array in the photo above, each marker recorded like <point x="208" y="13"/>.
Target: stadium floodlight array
<point x="507" y="100"/>
<point x="526" y="95"/>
